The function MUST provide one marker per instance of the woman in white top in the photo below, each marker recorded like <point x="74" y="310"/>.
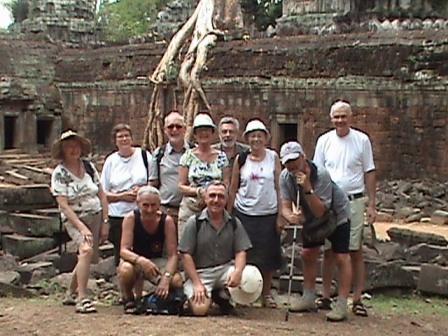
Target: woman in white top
<point x="124" y="172"/>
<point x="75" y="184"/>
<point x="255" y="199"/>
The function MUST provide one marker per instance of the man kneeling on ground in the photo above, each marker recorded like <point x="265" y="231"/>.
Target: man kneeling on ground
<point x="208" y="246"/>
<point x="147" y="234"/>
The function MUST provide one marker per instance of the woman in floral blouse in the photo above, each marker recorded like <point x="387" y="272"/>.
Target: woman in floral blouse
<point x="198" y="167"/>
<point x="75" y="184"/>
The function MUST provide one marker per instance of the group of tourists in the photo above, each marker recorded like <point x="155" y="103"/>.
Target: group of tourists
<point x="211" y="210"/>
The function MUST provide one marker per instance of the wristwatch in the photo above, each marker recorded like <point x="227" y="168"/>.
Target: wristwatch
<point x="310" y="192"/>
<point x="106" y="221"/>
<point x="168" y="275"/>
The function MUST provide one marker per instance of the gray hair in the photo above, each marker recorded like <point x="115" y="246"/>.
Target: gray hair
<point x="340" y="105"/>
<point x="217" y="183"/>
<point x="229" y="120"/>
<point x="148" y="190"/>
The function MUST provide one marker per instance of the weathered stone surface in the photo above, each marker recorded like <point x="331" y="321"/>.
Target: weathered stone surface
<point x="8" y="263"/>
<point x="5" y="227"/>
<point x="66" y="262"/>
<point x="26" y="197"/>
<point x="408" y="237"/>
<point x="24" y="247"/>
<point x="382" y="275"/>
<point x="34" y="225"/>
<point x="104" y="269"/>
<point x="425" y="253"/>
<point x="64" y="279"/>
<point x="384" y="217"/>
<point x="31" y="273"/>
<point x="433" y="280"/>
<point x="14" y="291"/>
<point x="106" y="250"/>
<point x="9" y="277"/>
<point x="391" y="251"/>
<point x="439" y="217"/>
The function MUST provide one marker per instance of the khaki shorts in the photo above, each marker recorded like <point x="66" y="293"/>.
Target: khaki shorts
<point x="93" y="222"/>
<point x="212" y="278"/>
<point x="161" y="265"/>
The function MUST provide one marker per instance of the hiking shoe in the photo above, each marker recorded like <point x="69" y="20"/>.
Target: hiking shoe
<point x="303" y="305"/>
<point x="324" y="303"/>
<point x="225" y="307"/>
<point x="337" y="314"/>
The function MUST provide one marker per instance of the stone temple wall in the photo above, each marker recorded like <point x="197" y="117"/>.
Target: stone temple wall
<point x="397" y="85"/>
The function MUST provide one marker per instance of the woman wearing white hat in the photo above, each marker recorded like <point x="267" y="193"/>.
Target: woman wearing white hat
<point x="255" y="199"/>
<point x="76" y="185"/>
<point x="198" y="167"/>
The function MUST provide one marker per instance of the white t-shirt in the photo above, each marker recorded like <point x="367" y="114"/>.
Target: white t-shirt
<point x="256" y="195"/>
<point x="122" y="174"/>
<point x="346" y="158"/>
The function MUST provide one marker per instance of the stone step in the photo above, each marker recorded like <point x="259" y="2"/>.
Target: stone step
<point x="5" y="226"/>
<point x="25" y="247"/>
<point x="34" y="225"/>
<point x="433" y="280"/>
<point x="28" y="197"/>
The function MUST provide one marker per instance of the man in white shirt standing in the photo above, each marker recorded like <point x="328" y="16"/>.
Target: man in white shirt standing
<point x="347" y="154"/>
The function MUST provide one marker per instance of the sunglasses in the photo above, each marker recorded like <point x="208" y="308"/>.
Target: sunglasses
<point x="173" y="126"/>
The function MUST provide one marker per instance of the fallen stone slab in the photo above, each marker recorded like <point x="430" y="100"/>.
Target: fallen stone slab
<point x="8" y="290"/>
<point x="34" y="225"/>
<point x="5" y="226"/>
<point x="33" y="272"/>
<point x="424" y="253"/>
<point x="439" y="217"/>
<point x="26" y="197"/>
<point x="409" y="238"/>
<point x="8" y="263"/>
<point x="24" y="247"/>
<point x="390" y="251"/>
<point x="104" y="269"/>
<point x="385" y="275"/>
<point x="433" y="280"/>
<point x="10" y="277"/>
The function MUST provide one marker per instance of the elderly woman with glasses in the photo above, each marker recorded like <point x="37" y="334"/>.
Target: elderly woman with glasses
<point x="76" y="185"/>
<point x="198" y="167"/>
<point x="124" y="172"/>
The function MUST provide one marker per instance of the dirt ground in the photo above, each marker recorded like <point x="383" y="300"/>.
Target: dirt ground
<point x="49" y="317"/>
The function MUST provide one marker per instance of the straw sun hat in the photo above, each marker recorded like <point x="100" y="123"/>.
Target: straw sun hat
<point x="56" y="149"/>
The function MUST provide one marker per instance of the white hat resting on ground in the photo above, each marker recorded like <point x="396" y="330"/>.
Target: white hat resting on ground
<point x="250" y="287"/>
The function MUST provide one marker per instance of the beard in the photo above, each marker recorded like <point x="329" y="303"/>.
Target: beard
<point x="228" y="143"/>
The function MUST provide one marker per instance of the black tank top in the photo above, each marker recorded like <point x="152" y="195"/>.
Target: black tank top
<point x="145" y="244"/>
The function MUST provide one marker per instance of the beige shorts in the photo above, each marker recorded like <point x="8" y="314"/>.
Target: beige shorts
<point x="212" y="278"/>
<point x="93" y="222"/>
<point x="161" y="265"/>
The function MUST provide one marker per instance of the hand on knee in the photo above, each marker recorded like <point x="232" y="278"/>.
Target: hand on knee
<point x="85" y="251"/>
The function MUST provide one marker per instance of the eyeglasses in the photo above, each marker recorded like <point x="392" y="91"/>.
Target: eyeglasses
<point x="173" y="126"/>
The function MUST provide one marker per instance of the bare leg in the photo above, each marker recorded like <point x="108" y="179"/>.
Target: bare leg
<point x="327" y="272"/>
<point x="309" y="257"/>
<point x="83" y="269"/>
<point x="359" y="271"/>
<point x="127" y="278"/>
<point x="345" y="273"/>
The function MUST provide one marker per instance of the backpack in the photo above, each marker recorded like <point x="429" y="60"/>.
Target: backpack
<point x="242" y="157"/>
<point x="172" y="305"/>
<point x="89" y="169"/>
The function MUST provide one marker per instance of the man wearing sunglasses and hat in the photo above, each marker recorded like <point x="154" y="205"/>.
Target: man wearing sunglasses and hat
<point x="310" y="188"/>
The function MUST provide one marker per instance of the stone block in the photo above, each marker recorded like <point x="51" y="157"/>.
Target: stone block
<point x="14" y="291"/>
<point x="439" y="217"/>
<point x="433" y="280"/>
<point x="26" y="197"/>
<point x="425" y="253"/>
<point x="104" y="269"/>
<point x="390" y="251"/>
<point x="31" y="273"/>
<point x="384" y="217"/>
<point x="5" y="226"/>
<point x="106" y="250"/>
<point x="9" y="277"/>
<point x="408" y="237"/>
<point x="34" y="225"/>
<point x="386" y="275"/>
<point x="8" y="263"/>
<point x="24" y="247"/>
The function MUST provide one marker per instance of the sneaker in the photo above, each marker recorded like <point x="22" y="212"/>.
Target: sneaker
<point x="303" y="305"/>
<point x="324" y="303"/>
<point x="337" y="314"/>
<point x="224" y="304"/>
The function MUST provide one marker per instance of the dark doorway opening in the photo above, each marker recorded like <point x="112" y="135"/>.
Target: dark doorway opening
<point x="10" y="131"/>
<point x="287" y="132"/>
<point x="44" y="127"/>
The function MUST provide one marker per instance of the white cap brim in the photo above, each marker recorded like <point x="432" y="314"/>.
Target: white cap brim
<point x="291" y="156"/>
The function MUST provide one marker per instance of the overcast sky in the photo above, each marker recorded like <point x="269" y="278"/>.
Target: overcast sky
<point x="5" y="17"/>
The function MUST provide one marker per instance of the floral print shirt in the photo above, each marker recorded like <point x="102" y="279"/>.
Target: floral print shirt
<point x="81" y="193"/>
<point x="201" y="173"/>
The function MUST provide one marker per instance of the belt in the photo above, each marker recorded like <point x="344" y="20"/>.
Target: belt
<point x="352" y="197"/>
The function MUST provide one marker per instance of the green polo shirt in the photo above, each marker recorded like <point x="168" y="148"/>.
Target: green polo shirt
<point x="210" y="247"/>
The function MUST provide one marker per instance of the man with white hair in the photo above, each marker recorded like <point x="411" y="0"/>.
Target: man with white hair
<point x="347" y="155"/>
<point x="228" y="129"/>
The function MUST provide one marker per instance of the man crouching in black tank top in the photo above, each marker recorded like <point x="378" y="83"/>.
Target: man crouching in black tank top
<point x="148" y="236"/>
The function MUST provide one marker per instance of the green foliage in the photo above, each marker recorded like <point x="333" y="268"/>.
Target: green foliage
<point x="410" y="305"/>
<point x="18" y="9"/>
<point x="123" y="19"/>
<point x="262" y="12"/>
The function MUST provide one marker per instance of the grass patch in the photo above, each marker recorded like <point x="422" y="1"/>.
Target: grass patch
<point x="410" y="305"/>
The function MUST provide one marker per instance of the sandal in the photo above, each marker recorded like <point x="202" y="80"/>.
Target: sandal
<point x="85" y="306"/>
<point x="130" y="307"/>
<point x="359" y="309"/>
<point x="69" y="299"/>
<point x="269" y="302"/>
<point x="324" y="303"/>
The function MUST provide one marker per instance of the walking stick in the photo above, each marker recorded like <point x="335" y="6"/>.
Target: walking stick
<point x="291" y="269"/>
